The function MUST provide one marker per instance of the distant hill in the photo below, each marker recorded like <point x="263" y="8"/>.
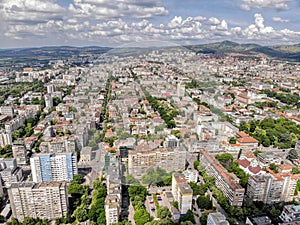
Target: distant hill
<point x="289" y="52"/>
<point x="45" y="54"/>
<point x="56" y="51"/>
<point x="42" y="55"/>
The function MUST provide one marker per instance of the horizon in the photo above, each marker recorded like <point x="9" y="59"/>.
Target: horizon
<point x="143" y="47"/>
<point x="39" y="23"/>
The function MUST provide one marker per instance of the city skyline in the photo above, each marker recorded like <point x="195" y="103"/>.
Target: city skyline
<point x="34" y="23"/>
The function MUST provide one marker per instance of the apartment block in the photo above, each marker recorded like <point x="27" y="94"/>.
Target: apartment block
<point x="182" y="192"/>
<point x="59" y="145"/>
<point x="19" y="153"/>
<point x="9" y="171"/>
<point x="290" y="213"/>
<point x="39" y="200"/>
<point x="5" y="138"/>
<point x="169" y="159"/>
<point x="112" y="209"/>
<point x="272" y="188"/>
<point x="216" y="218"/>
<point x="227" y="182"/>
<point x="53" y="167"/>
<point x="7" y="110"/>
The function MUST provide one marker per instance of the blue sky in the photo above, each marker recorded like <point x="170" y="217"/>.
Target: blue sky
<point x="27" y="23"/>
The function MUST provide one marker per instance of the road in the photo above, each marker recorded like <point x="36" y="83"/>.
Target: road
<point x="131" y="214"/>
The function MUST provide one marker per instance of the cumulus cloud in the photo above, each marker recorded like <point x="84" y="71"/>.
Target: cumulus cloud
<point x="30" y="10"/>
<point x="279" y="19"/>
<point x="180" y="29"/>
<point x="263" y="4"/>
<point x="107" y="9"/>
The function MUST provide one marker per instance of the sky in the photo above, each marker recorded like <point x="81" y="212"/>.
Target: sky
<point x="115" y="23"/>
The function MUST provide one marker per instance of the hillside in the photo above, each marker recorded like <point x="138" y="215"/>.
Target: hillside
<point x="289" y="52"/>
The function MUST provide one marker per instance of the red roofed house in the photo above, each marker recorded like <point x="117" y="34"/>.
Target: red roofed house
<point x="249" y="142"/>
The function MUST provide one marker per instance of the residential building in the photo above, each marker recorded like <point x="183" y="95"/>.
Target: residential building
<point x="171" y="142"/>
<point x="259" y="220"/>
<point x="53" y="167"/>
<point x="191" y="175"/>
<point x="182" y="192"/>
<point x="7" y="110"/>
<point x="272" y="188"/>
<point x="5" y="138"/>
<point x="82" y="136"/>
<point x="216" y="218"/>
<point x="19" y="152"/>
<point x="227" y="182"/>
<point x="112" y="209"/>
<point x="9" y="171"/>
<point x="48" y="101"/>
<point x="39" y="200"/>
<point x="290" y="213"/>
<point x="169" y="159"/>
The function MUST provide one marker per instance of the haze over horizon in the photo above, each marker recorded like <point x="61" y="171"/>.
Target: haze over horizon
<point x="34" y="23"/>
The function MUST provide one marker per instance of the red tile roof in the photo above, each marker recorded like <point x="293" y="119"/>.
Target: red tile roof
<point x="254" y="170"/>
<point x="243" y="162"/>
<point x="247" y="140"/>
<point x="242" y="134"/>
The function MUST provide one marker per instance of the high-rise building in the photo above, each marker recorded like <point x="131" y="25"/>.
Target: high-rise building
<point x="227" y="182"/>
<point x="182" y="192"/>
<point x="272" y="188"/>
<point x="53" y="167"/>
<point x="7" y="110"/>
<point x="48" y="101"/>
<point x="19" y="152"/>
<point x="42" y="200"/>
<point x="171" y="142"/>
<point x="112" y="209"/>
<point x="290" y="213"/>
<point x="9" y="171"/>
<point x="180" y="89"/>
<point x="50" y="88"/>
<point x="5" y="138"/>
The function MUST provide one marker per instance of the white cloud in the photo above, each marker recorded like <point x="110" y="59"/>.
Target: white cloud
<point x="279" y="19"/>
<point x="263" y="4"/>
<point x="30" y="10"/>
<point x="178" y="29"/>
<point x="213" y="20"/>
<point x="107" y="9"/>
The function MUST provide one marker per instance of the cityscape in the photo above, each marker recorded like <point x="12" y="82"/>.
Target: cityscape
<point x="149" y="112"/>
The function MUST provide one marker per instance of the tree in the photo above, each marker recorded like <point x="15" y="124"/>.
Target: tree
<point x="295" y="170"/>
<point x="198" y="189"/>
<point x="188" y="217"/>
<point x="232" y="140"/>
<point x="175" y="204"/>
<point x="273" y="167"/>
<point x="292" y="155"/>
<point x="204" y="202"/>
<point x="137" y="190"/>
<point x="77" y="178"/>
<point x="141" y="216"/>
<point x="203" y="218"/>
<point x="80" y="213"/>
<point x="196" y="164"/>
<point x="101" y="219"/>
<point x="157" y="176"/>
<point x="163" y="212"/>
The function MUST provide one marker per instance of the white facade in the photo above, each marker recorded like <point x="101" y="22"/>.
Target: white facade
<point x="216" y="219"/>
<point x="53" y="167"/>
